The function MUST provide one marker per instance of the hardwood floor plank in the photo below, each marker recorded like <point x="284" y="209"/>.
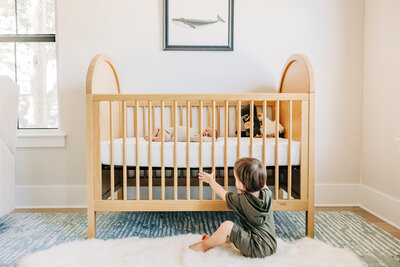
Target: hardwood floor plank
<point x="367" y="216"/>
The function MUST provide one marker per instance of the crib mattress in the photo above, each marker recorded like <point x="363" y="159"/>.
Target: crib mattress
<point x="194" y="152"/>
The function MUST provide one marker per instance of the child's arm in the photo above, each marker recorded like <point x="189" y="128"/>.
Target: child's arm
<point x="209" y="178"/>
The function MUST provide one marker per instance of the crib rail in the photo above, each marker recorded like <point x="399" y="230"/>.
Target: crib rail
<point x="180" y="106"/>
<point x="201" y="97"/>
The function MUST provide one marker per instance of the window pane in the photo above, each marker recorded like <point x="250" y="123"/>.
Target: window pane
<point x="7" y="60"/>
<point x="7" y="16"/>
<point x="37" y="78"/>
<point x="36" y="16"/>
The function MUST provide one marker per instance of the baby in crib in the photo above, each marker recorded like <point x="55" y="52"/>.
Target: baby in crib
<point x="255" y="235"/>
<point x="181" y="134"/>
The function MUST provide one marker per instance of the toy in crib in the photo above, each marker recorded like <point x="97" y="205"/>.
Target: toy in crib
<point x="270" y="124"/>
<point x="258" y="124"/>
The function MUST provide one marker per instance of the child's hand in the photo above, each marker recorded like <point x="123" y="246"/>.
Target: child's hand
<point x="206" y="177"/>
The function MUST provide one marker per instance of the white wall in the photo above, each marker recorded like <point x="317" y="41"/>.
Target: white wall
<point x="380" y="157"/>
<point x="266" y="32"/>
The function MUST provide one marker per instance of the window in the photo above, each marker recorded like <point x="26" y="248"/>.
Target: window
<point x="28" y="55"/>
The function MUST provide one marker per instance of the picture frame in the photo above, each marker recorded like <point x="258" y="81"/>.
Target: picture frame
<point x="198" y="25"/>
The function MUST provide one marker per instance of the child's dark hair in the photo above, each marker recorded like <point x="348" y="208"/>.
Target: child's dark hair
<point x="251" y="173"/>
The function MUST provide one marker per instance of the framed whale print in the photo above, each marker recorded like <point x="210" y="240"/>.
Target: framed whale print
<point x="198" y="25"/>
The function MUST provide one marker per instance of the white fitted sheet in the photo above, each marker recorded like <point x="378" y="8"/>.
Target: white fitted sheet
<point x="194" y="152"/>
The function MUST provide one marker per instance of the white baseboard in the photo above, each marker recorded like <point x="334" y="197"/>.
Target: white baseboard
<point x="57" y="196"/>
<point x="381" y="205"/>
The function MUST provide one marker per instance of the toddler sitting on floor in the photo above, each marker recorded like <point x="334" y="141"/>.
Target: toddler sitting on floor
<point x="255" y="235"/>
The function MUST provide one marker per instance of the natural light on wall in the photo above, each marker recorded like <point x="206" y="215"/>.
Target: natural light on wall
<point x="28" y="55"/>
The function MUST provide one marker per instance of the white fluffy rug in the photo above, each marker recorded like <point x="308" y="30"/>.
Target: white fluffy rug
<point x="174" y="251"/>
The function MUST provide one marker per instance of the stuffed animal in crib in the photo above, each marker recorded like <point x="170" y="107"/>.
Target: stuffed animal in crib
<point x="246" y="124"/>
<point x="258" y="123"/>
<point x="270" y="125"/>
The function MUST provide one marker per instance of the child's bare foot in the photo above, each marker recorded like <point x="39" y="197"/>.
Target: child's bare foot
<point x="146" y="138"/>
<point x="199" y="246"/>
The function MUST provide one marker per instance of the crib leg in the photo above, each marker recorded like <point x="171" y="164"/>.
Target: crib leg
<point x="310" y="222"/>
<point x="91" y="224"/>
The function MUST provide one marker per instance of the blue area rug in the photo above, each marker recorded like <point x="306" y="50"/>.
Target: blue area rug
<point x="24" y="233"/>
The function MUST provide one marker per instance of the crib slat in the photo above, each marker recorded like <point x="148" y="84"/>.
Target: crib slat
<point x="180" y="115"/>
<point x="228" y="120"/>
<point x="239" y="126"/>
<point x="209" y="116"/>
<point x="289" y="175"/>
<point x="125" y="170"/>
<point x="191" y="119"/>
<point x="171" y="113"/>
<point x="251" y="127"/>
<point x="175" y="150"/>
<point x="213" y="145"/>
<point x="112" y="178"/>
<point x="188" y="111"/>
<point x="236" y="121"/>
<point x="150" y="131"/>
<point x="162" y="153"/>
<point x="200" y="147"/>
<point x="229" y="123"/>
<point x="218" y="120"/>
<point x="264" y="133"/>
<point x="133" y="119"/>
<point x="276" y="149"/>
<point x="144" y="121"/>
<point x="152" y="118"/>
<point x="137" y="150"/>
<point x="226" y="145"/>
<point x="304" y="151"/>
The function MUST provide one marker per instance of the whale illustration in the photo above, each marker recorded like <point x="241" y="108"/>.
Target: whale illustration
<point x="195" y="23"/>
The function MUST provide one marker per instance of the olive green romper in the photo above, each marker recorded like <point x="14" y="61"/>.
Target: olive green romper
<point x="256" y="237"/>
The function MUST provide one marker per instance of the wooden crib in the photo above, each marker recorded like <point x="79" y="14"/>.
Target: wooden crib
<point x="154" y="172"/>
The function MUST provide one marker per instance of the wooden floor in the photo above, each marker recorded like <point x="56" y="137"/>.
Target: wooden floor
<point x="367" y="216"/>
<point x="357" y="210"/>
